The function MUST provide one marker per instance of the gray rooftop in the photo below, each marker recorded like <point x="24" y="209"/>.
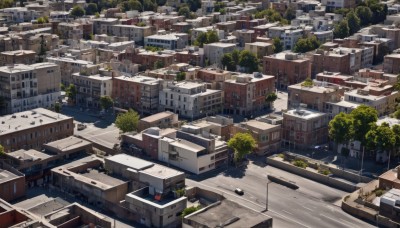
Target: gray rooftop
<point x="161" y="171"/>
<point x="6" y="176"/>
<point x="67" y="144"/>
<point x="131" y="162"/>
<point x="28" y="155"/>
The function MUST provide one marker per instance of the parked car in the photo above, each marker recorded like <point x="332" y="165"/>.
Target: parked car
<point x="80" y="126"/>
<point x="239" y="191"/>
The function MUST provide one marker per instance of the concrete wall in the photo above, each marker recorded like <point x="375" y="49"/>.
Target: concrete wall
<point x="312" y="175"/>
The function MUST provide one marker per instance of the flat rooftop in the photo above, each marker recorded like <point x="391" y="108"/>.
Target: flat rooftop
<point x="6" y="176"/>
<point x="139" y="79"/>
<point x="229" y="213"/>
<point x="343" y="103"/>
<point x="67" y="144"/>
<point x="96" y="175"/>
<point x="161" y="171"/>
<point x="223" y="45"/>
<point x="391" y="175"/>
<point x="156" y="117"/>
<point x="28" y="155"/>
<point x="391" y="197"/>
<point x="313" y="89"/>
<point x="187" y="145"/>
<point x="131" y="162"/>
<point x="29" y="119"/>
<point x="304" y="113"/>
<point x="260" y="125"/>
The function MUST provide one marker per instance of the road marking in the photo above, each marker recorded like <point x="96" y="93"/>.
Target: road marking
<point x="259" y="205"/>
<point x="287" y="212"/>
<point x="308" y="208"/>
<point x="351" y="224"/>
<point x="335" y="220"/>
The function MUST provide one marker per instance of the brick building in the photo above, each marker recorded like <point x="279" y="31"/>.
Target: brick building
<point x="288" y="68"/>
<point x="12" y="184"/>
<point x="161" y="120"/>
<point x="31" y="129"/>
<point x="391" y="64"/>
<point x="138" y="92"/>
<point x="215" y="77"/>
<point x="246" y="94"/>
<point x="17" y="57"/>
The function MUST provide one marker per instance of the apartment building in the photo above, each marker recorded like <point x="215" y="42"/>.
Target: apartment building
<point x="70" y="31"/>
<point x="19" y="14"/>
<point x="260" y="49"/>
<point x="333" y="78"/>
<point x="168" y="41"/>
<point x="313" y="97"/>
<point x="90" y="88"/>
<point x="138" y="92"/>
<point x="69" y="66"/>
<point x="216" y="125"/>
<point x="193" y="150"/>
<point x="304" y="128"/>
<point x="288" y="35"/>
<point x="267" y="136"/>
<point x="214" y="77"/>
<point x="25" y="87"/>
<point x="246" y="94"/>
<point x="17" y="57"/>
<point x="213" y="52"/>
<point x="391" y="64"/>
<point x="103" y="25"/>
<point x="332" y="5"/>
<point x="132" y="32"/>
<point x="12" y="184"/>
<point x="244" y="36"/>
<point x="287" y="67"/>
<point x="148" y="58"/>
<point x="190" y="99"/>
<point x="161" y="120"/>
<point x="31" y="129"/>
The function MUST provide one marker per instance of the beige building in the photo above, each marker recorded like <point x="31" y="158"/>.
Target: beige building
<point x="17" y="57"/>
<point x="70" y="65"/>
<point x="161" y="120"/>
<point x="391" y="64"/>
<point x="26" y="87"/>
<point x="133" y="32"/>
<point x="303" y="128"/>
<point x="213" y="52"/>
<point x="268" y="136"/>
<point x="260" y="49"/>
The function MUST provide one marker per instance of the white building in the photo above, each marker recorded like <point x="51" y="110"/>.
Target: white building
<point x="132" y="32"/>
<point x="26" y="87"/>
<point x="213" y="52"/>
<point x="190" y="99"/>
<point x="168" y="41"/>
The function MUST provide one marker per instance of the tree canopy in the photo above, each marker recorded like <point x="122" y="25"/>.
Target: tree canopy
<point x="6" y="4"/>
<point x="271" y="97"/>
<point x="91" y="9"/>
<point x="380" y="137"/>
<point x="227" y="62"/>
<point x="341" y="128"/>
<point x="365" y="14"/>
<point x="131" y="5"/>
<point x="158" y="64"/>
<point x="127" y="122"/>
<point x="242" y="144"/>
<point x="70" y="91"/>
<point x="353" y="22"/>
<point x="306" y="44"/>
<point x="249" y="61"/>
<point x="341" y="29"/>
<point x="180" y="76"/>
<point x="106" y="102"/>
<point x="278" y="46"/>
<point x="206" y="38"/>
<point x="363" y="118"/>
<point x="77" y="11"/>
<point x="184" y="11"/>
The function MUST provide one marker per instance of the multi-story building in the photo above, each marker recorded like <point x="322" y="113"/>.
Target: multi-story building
<point x="90" y="88"/>
<point x="246" y="94"/>
<point x="12" y="185"/>
<point x="245" y="36"/>
<point x="133" y="32"/>
<point x="103" y="25"/>
<point x="139" y="92"/>
<point x="17" y="57"/>
<point x="190" y="99"/>
<point x="333" y="78"/>
<point x="391" y="64"/>
<point x="215" y="77"/>
<point x="19" y="14"/>
<point x="288" y="68"/>
<point x="193" y="150"/>
<point x="25" y="87"/>
<point x="168" y="41"/>
<point x="31" y="129"/>
<point x="332" y="5"/>
<point x="68" y="66"/>
<point x="260" y="49"/>
<point x="302" y="128"/>
<point x="161" y="120"/>
<point x="313" y="97"/>
<point x="70" y="32"/>
<point x="267" y="136"/>
<point x="148" y="58"/>
<point x="191" y="56"/>
<point x="213" y="52"/>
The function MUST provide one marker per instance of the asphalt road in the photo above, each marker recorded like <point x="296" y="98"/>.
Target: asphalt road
<point x="104" y="135"/>
<point x="312" y="205"/>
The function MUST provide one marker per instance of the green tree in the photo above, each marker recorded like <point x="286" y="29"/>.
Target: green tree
<point x="149" y="5"/>
<point x="365" y="14"/>
<point x="396" y="131"/>
<point x="97" y="15"/>
<point x="41" y="20"/>
<point x="383" y="51"/>
<point x="306" y="44"/>
<point x="91" y="9"/>
<point x="184" y="11"/>
<point x="194" y="5"/>
<point x="62" y="86"/>
<point x="6" y="4"/>
<point x="206" y="38"/>
<point x="71" y="92"/>
<point x="278" y="46"/>
<point x="212" y="37"/>
<point x="381" y="138"/>
<point x="242" y="144"/>
<point x="106" y="102"/>
<point x="363" y="118"/>
<point x="341" y="29"/>
<point x="143" y="24"/>
<point x="290" y="14"/>
<point x="128" y="121"/>
<point x="249" y="61"/>
<point x="227" y="62"/>
<point x="57" y="107"/>
<point x="353" y="22"/>
<point x="158" y="64"/>
<point x="308" y="82"/>
<point x="271" y="97"/>
<point x="2" y="153"/>
<point x="379" y="12"/>
<point x="190" y="210"/>
<point x="341" y="128"/>
<point x="236" y="56"/>
<point x="77" y="11"/>
<point x="201" y="39"/>
<point x="180" y="76"/>
<point x="161" y="2"/>
<point x="342" y="11"/>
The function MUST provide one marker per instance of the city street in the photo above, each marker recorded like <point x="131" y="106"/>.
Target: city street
<point x="312" y="205"/>
<point x="281" y="103"/>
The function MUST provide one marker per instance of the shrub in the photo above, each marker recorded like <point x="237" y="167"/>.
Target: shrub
<point x="324" y="172"/>
<point x="281" y="156"/>
<point x="190" y="210"/>
<point x="300" y="163"/>
<point x="378" y="192"/>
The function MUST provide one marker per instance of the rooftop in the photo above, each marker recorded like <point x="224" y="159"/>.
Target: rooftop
<point x="391" y="197"/>
<point x="161" y="172"/>
<point x="181" y="143"/>
<point x="28" y="155"/>
<point x="260" y="125"/>
<point x="313" y="89"/>
<point x="227" y="213"/>
<point x="304" y="113"/>
<point x="22" y="67"/>
<point x="29" y="119"/>
<point x="157" y="117"/>
<point x="6" y="176"/>
<point x="389" y="120"/>
<point x="18" y="52"/>
<point x="222" y="45"/>
<point x="67" y="144"/>
<point x="139" y="79"/>
<point x="131" y="162"/>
